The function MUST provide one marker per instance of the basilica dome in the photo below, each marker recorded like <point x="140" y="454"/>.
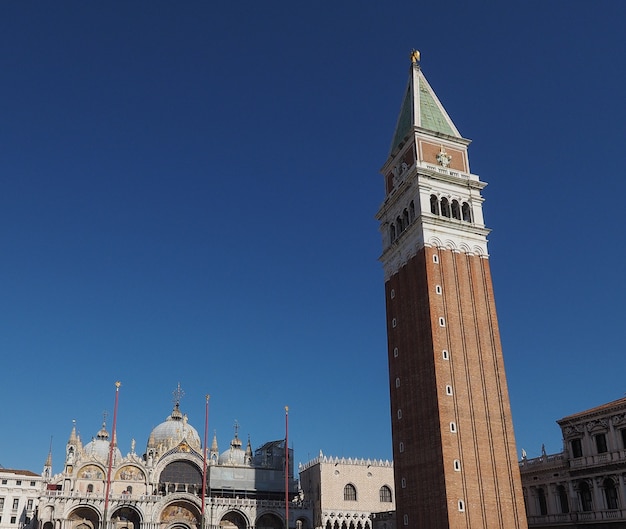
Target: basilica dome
<point x="100" y="446"/>
<point x="235" y="456"/>
<point x="174" y="430"/>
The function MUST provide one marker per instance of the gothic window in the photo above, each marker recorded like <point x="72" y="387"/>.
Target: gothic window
<point x="445" y="207"/>
<point x="392" y="233"/>
<point x="467" y="212"/>
<point x="610" y="493"/>
<point x="385" y="494"/>
<point x="577" y="448"/>
<point x="456" y="210"/>
<point x="543" y="504"/>
<point x="601" y="443"/>
<point x="434" y="205"/>
<point x="399" y="225"/>
<point x="349" y="492"/>
<point x="586" y="502"/>
<point x="623" y="432"/>
<point x="405" y="218"/>
<point x="563" y="501"/>
<point x="411" y="211"/>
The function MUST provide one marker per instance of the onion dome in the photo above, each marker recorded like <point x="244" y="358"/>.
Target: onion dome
<point x="173" y="431"/>
<point x="100" y="446"/>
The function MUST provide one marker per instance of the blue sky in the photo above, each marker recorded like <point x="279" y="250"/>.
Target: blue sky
<point x="188" y="194"/>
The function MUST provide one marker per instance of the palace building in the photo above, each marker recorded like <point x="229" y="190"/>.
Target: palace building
<point x="347" y="493"/>
<point x="585" y="484"/>
<point x="453" y="444"/>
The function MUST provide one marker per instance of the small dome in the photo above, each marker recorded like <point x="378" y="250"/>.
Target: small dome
<point x="100" y="446"/>
<point x="235" y="455"/>
<point x="173" y="431"/>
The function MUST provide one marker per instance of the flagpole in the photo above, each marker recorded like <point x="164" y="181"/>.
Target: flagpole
<point x="286" y="467"/>
<point x="206" y="430"/>
<point x="112" y="445"/>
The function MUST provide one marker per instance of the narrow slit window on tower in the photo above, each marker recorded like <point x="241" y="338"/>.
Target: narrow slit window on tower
<point x="406" y="519"/>
<point x="442" y="322"/>
<point x="394" y="322"/>
<point x="445" y="354"/>
<point x="453" y="427"/>
<point x="461" y="506"/>
<point x="398" y="382"/>
<point x="403" y="483"/>
<point x="457" y="465"/>
<point x="435" y="259"/>
<point x="448" y="390"/>
<point x="399" y="414"/>
<point x="393" y="293"/>
<point x="395" y="352"/>
<point x="438" y="289"/>
<point x="401" y="446"/>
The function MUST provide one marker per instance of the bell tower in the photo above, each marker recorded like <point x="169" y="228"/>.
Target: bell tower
<point x="454" y="452"/>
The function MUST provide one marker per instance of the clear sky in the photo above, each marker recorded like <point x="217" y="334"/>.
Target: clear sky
<point x="188" y="193"/>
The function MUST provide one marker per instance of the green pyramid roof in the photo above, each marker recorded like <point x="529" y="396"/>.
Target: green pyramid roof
<point x="421" y="108"/>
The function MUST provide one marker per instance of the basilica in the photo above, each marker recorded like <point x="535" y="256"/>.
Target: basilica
<point x="163" y="486"/>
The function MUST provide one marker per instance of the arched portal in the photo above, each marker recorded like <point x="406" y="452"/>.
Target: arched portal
<point x="84" y="518"/>
<point x="180" y="515"/>
<point x="233" y="520"/>
<point x="125" y="518"/>
<point x="269" y="521"/>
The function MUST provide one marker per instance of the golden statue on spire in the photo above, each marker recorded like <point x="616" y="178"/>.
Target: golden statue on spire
<point x="415" y="56"/>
